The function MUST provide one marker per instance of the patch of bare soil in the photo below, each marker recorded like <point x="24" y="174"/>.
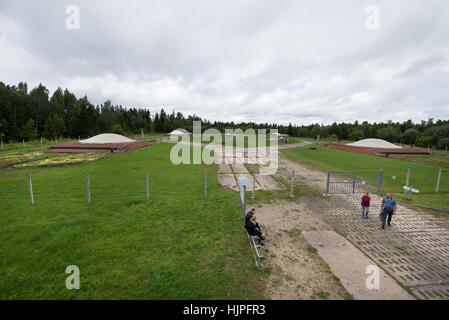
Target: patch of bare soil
<point x="297" y="270"/>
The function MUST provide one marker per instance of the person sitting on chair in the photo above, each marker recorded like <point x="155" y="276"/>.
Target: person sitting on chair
<point x="249" y="214"/>
<point x="253" y="229"/>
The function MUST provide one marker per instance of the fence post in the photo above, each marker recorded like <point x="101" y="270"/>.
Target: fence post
<point x="328" y="180"/>
<point x="353" y="182"/>
<point x="30" y="189"/>
<point x="408" y="179"/>
<point x="292" y="183"/>
<point x="205" y="184"/>
<point x="244" y="201"/>
<point x="88" y="187"/>
<point x="438" y="180"/>
<point x="148" y="186"/>
<point x="379" y="185"/>
<point x="254" y="186"/>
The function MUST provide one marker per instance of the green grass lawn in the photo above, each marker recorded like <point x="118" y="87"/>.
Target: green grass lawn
<point x="179" y="245"/>
<point x="423" y="175"/>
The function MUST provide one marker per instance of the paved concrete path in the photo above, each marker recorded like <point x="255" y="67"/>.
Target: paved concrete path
<point x="414" y="250"/>
<point x="352" y="267"/>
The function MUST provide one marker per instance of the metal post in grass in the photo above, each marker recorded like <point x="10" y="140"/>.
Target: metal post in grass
<point x="23" y="141"/>
<point x="148" y="187"/>
<point x="30" y="189"/>
<point x="244" y="200"/>
<point x="88" y="187"/>
<point x="205" y="184"/>
<point x="41" y="142"/>
<point x="379" y="184"/>
<point x="254" y="186"/>
<point x="410" y="193"/>
<point x="2" y="145"/>
<point x="408" y="179"/>
<point x="328" y="180"/>
<point x="438" y="181"/>
<point x="292" y="183"/>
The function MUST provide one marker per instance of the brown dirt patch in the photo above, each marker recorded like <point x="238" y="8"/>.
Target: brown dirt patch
<point x="297" y="271"/>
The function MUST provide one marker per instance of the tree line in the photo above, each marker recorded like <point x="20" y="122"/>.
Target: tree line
<point x="32" y="114"/>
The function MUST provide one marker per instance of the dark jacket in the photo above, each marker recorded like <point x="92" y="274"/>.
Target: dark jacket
<point x="252" y="230"/>
<point x="248" y="216"/>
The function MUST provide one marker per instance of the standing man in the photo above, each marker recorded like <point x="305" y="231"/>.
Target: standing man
<point x="388" y="208"/>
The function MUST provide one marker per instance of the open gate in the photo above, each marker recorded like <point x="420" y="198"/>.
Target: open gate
<point x="350" y="182"/>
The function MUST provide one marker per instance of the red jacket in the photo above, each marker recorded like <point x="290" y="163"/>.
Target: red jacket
<point x="365" y="201"/>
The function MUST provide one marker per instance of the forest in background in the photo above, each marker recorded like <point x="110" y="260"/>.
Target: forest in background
<point x="27" y="115"/>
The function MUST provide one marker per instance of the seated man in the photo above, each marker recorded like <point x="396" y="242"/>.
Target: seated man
<point x="253" y="228"/>
<point x="249" y="214"/>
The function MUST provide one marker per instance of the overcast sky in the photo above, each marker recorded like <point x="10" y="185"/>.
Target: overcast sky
<point x="265" y="61"/>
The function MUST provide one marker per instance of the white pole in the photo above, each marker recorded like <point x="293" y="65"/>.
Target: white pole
<point x="408" y="179"/>
<point x="438" y="180"/>
<point x="30" y="189"/>
<point x="148" y="187"/>
<point x="88" y="187"/>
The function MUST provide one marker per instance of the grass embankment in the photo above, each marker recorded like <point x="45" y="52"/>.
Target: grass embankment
<point x="423" y="175"/>
<point x="179" y="245"/>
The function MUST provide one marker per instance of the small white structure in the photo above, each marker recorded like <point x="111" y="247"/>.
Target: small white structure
<point x="179" y="132"/>
<point x="374" y="143"/>
<point x="107" y="138"/>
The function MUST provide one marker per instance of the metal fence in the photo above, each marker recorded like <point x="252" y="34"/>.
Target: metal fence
<point x="350" y="182"/>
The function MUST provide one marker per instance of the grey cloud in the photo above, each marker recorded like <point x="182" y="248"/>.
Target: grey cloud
<point x="267" y="61"/>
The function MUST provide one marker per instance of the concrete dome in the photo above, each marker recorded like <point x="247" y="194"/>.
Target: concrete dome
<point x="374" y="143"/>
<point x="107" y="138"/>
<point x="179" y="132"/>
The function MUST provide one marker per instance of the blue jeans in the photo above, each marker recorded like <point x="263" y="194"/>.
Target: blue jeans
<point x="365" y="211"/>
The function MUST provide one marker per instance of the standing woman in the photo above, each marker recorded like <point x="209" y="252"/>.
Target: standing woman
<point x="365" y="205"/>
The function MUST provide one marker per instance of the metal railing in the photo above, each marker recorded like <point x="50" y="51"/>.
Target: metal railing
<point x="350" y="182"/>
<point x="258" y="257"/>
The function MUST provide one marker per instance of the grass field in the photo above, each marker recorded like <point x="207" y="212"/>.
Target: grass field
<point x="423" y="175"/>
<point x="179" y="245"/>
